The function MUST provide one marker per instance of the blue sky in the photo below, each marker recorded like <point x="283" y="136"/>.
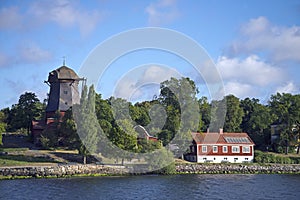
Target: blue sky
<point x="255" y="45"/>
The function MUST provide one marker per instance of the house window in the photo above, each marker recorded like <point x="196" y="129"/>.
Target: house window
<point x="204" y="149"/>
<point x="225" y="158"/>
<point x="225" y="150"/>
<point x="246" y="159"/>
<point x="65" y="92"/>
<point x="235" y="149"/>
<point x="66" y="103"/>
<point x="215" y="149"/>
<point x="246" y="149"/>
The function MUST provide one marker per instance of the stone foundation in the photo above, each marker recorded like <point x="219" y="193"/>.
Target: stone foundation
<point x="61" y="170"/>
<point x="92" y="169"/>
<point x="237" y="168"/>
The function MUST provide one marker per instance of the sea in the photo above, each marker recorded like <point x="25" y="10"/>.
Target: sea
<point x="214" y="186"/>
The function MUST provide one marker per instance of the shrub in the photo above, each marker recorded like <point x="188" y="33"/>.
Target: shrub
<point x="168" y="170"/>
<point x="261" y="157"/>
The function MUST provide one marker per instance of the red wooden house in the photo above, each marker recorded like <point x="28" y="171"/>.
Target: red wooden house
<point x="221" y="147"/>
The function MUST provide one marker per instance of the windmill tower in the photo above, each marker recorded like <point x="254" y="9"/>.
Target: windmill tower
<point x="64" y="91"/>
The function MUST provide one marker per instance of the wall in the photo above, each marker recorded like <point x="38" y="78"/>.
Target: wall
<point x="61" y="170"/>
<point x="236" y="168"/>
<point x="79" y="169"/>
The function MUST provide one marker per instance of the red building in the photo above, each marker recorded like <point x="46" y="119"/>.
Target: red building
<point x="221" y="147"/>
<point x="143" y="134"/>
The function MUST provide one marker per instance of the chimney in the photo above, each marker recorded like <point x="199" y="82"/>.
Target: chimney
<point x="207" y="131"/>
<point x="221" y="131"/>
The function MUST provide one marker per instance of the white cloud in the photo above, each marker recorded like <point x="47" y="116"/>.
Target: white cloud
<point x="133" y="85"/>
<point x="251" y="70"/>
<point x="161" y="12"/>
<point x="260" y="36"/>
<point x="240" y="90"/>
<point x="289" y="87"/>
<point x="157" y="74"/>
<point x="66" y="14"/>
<point x="32" y="53"/>
<point x="10" y="18"/>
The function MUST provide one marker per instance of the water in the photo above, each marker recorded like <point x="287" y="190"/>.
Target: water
<point x="156" y="187"/>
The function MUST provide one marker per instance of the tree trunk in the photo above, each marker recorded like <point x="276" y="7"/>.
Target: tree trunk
<point x="84" y="159"/>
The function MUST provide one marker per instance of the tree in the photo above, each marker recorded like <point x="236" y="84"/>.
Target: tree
<point x="286" y="108"/>
<point x="234" y="114"/>
<point x="139" y="114"/>
<point x="68" y="131"/>
<point x="179" y="98"/>
<point x="50" y="137"/>
<point x="2" y="125"/>
<point x="28" y="108"/>
<point x="205" y="110"/>
<point x="256" y="121"/>
<point x="87" y="123"/>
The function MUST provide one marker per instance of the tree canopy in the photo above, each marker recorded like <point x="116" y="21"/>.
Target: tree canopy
<point x="170" y="117"/>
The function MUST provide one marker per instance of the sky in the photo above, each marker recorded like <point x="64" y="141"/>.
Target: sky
<point x="255" y="45"/>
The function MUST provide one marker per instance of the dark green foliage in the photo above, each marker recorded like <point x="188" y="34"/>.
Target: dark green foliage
<point x="256" y="122"/>
<point x="87" y="124"/>
<point x="145" y="146"/>
<point x="167" y="170"/>
<point x="262" y="157"/>
<point x="172" y="116"/>
<point x="21" y="114"/>
<point x="2" y="125"/>
<point x="178" y="96"/>
<point x="234" y="114"/>
<point x="205" y="116"/>
<point x="286" y="109"/>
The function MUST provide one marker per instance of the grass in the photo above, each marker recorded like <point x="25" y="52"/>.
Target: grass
<point x="19" y="160"/>
<point x="13" y="149"/>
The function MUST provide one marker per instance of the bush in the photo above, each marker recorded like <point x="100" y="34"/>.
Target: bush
<point x="45" y="142"/>
<point x="168" y="170"/>
<point x="295" y="160"/>
<point x="261" y="157"/>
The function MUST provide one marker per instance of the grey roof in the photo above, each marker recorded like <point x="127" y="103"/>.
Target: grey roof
<point x="65" y="72"/>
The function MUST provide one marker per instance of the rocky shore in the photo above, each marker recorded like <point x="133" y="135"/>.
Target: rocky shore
<point x="61" y="171"/>
<point x="93" y="169"/>
<point x="237" y="168"/>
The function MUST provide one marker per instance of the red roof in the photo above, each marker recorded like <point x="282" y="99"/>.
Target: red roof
<point x="222" y="138"/>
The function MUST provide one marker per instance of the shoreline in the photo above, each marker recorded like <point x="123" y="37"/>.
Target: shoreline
<point x="93" y="170"/>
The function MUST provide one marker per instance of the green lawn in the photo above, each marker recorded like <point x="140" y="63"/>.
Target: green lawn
<point x="19" y="156"/>
<point x="17" y="160"/>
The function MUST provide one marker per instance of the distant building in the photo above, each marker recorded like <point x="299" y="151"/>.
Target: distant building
<point x="64" y="93"/>
<point x="143" y="134"/>
<point x="221" y="147"/>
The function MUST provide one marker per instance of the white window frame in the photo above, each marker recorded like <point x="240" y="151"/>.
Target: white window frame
<point x="235" y="147"/>
<point x="215" y="147"/>
<point x="204" y="149"/>
<point x="225" y="149"/>
<point x="244" y="149"/>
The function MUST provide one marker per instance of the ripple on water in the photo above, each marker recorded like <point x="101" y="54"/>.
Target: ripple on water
<point x="156" y="187"/>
